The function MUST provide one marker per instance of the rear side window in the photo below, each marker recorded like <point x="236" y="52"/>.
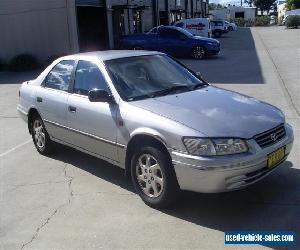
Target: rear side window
<point x="60" y="76"/>
<point x="87" y="77"/>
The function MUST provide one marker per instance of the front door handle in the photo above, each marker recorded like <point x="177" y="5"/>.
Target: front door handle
<point x="72" y="109"/>
<point x="39" y="99"/>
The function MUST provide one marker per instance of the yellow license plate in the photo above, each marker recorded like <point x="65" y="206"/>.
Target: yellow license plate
<point x="275" y="157"/>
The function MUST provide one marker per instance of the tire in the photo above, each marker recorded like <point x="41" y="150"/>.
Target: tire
<point x="217" y="33"/>
<point x="153" y="177"/>
<point x="199" y="52"/>
<point x="40" y="137"/>
<point x="137" y="47"/>
<point x="230" y="28"/>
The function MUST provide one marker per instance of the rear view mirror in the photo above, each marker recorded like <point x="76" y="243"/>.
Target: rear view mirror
<point x="99" y="95"/>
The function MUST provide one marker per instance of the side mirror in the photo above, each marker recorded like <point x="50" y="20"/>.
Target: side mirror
<point x="100" y="95"/>
<point x="199" y="75"/>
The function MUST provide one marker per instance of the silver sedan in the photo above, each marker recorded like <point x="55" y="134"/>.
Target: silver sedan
<point x="162" y="123"/>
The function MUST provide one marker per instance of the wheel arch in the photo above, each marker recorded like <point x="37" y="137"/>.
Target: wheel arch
<point x="140" y="139"/>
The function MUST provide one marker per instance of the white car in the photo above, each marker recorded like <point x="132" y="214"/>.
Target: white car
<point x="231" y="26"/>
<point x="150" y="115"/>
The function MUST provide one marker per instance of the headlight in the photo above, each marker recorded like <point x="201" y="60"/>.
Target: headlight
<point x="216" y="146"/>
<point x="212" y="44"/>
<point x="230" y="146"/>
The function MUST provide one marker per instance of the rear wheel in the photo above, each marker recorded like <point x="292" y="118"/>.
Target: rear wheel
<point x="40" y="137"/>
<point x="153" y="177"/>
<point x="217" y="33"/>
<point x="199" y="52"/>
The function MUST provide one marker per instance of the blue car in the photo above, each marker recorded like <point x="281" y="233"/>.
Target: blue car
<point x="174" y="41"/>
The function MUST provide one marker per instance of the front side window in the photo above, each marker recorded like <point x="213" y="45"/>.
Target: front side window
<point x="147" y="76"/>
<point x="87" y="77"/>
<point x="60" y="76"/>
<point x="172" y="34"/>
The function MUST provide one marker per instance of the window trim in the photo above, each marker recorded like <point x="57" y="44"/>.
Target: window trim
<point x="74" y="76"/>
<point x="71" y="80"/>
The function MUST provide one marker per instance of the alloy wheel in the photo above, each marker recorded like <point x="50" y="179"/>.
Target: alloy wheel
<point x="149" y="175"/>
<point x="39" y="134"/>
<point x="199" y="52"/>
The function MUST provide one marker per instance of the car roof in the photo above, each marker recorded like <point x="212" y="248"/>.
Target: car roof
<point x="108" y="54"/>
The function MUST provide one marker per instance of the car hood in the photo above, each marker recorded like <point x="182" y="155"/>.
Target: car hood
<point x="216" y="112"/>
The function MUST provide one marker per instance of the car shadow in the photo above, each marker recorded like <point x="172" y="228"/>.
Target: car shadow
<point x="237" y="63"/>
<point x="90" y="164"/>
<point x="273" y="204"/>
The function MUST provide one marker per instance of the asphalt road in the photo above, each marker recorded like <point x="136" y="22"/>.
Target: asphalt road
<point x="75" y="201"/>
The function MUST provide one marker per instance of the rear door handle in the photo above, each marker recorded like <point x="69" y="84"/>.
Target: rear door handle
<point x="39" y="99"/>
<point x="72" y="109"/>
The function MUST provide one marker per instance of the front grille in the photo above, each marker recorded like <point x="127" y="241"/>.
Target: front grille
<point x="271" y="136"/>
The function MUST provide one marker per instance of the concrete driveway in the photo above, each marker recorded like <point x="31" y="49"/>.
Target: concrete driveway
<point x="75" y="201"/>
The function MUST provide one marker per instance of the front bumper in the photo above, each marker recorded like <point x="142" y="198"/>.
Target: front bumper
<point x="225" y="173"/>
<point x="213" y="50"/>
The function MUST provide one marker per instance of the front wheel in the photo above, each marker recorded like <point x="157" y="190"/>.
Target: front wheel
<point x="199" y="53"/>
<point x="153" y="177"/>
<point x="40" y="137"/>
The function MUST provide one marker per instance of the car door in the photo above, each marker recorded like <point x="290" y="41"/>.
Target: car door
<point x="173" y="42"/>
<point x="92" y="124"/>
<point x="52" y="96"/>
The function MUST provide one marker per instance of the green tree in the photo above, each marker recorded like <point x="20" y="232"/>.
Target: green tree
<point x="292" y="4"/>
<point x="249" y="2"/>
<point x="213" y="6"/>
<point x="264" y="5"/>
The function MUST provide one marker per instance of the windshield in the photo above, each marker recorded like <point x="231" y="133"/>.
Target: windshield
<point x="142" y="77"/>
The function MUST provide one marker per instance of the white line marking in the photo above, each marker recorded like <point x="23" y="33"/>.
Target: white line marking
<point x="15" y="148"/>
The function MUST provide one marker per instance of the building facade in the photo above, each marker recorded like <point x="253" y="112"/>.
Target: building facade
<point x="232" y="12"/>
<point x="57" y="27"/>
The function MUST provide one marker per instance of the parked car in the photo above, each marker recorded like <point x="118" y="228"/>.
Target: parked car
<point x="218" y="28"/>
<point x="152" y="116"/>
<point x="231" y="26"/>
<point x="196" y="26"/>
<point x="174" y="41"/>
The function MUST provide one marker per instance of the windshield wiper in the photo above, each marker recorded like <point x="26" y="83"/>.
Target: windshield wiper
<point x="199" y="86"/>
<point x="139" y="97"/>
<point x="170" y="90"/>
